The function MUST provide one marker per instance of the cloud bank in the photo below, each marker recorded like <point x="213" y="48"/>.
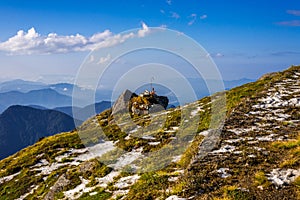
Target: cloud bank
<point x="293" y="23"/>
<point x="294" y="12"/>
<point x="31" y="42"/>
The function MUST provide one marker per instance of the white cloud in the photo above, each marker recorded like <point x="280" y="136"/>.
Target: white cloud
<point x="175" y="15"/>
<point x="169" y="2"/>
<point x="203" y="17"/>
<point x="31" y="42"/>
<point x="294" y="12"/>
<point x="216" y="55"/>
<point x="145" y="30"/>
<point x="104" y="59"/>
<point x="193" y="19"/>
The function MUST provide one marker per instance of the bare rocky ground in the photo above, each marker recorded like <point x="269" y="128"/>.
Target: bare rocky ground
<point x="246" y="148"/>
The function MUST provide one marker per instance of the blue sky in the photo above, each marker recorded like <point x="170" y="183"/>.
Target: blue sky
<point x="245" y="38"/>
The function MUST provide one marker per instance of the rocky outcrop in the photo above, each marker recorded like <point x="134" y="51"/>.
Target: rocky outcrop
<point x="145" y="103"/>
<point x="57" y="187"/>
<point x="161" y="100"/>
<point x="121" y="104"/>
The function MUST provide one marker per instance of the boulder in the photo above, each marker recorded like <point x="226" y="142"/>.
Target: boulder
<point x="162" y="100"/>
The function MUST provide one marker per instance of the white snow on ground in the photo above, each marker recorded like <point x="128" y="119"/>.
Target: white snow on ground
<point x="170" y="131"/>
<point x="224" y="172"/>
<point x="266" y="138"/>
<point x="85" y="154"/>
<point x="239" y="131"/>
<point x="148" y="137"/>
<point x="93" y="193"/>
<point x="40" y="163"/>
<point x="281" y="177"/>
<point x="231" y="141"/>
<point x="8" y="178"/>
<point x="78" y="190"/>
<point x="224" y="149"/>
<point x="134" y="130"/>
<point x="175" y="128"/>
<point x="176" y="158"/>
<point x="48" y="169"/>
<point x="196" y="111"/>
<point x="154" y="143"/>
<point x="204" y="133"/>
<point x="127" y="181"/>
<point x="107" y="179"/>
<point x="173" y="178"/>
<point x="127" y="158"/>
<point x="97" y="150"/>
<point x="69" y="153"/>
<point x="174" y="197"/>
<point x="128" y="137"/>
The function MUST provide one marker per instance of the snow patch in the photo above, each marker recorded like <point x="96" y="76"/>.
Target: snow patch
<point x="154" y="143"/>
<point x="224" y="149"/>
<point x="126" y="182"/>
<point x="78" y="190"/>
<point x="103" y="182"/>
<point x="223" y="172"/>
<point x="127" y="158"/>
<point x="282" y="177"/>
<point x="175" y="197"/>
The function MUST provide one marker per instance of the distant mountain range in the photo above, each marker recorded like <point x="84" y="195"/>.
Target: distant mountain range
<point x="78" y="112"/>
<point x="20" y="92"/>
<point x="21" y="86"/>
<point x="45" y="97"/>
<point x="21" y="126"/>
<point x="59" y="96"/>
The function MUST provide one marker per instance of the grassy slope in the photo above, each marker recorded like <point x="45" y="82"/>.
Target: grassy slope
<point x="150" y="185"/>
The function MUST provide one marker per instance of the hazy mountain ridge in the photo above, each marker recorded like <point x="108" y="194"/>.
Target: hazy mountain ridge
<point x="21" y="86"/>
<point x="45" y="97"/>
<point x="255" y="158"/>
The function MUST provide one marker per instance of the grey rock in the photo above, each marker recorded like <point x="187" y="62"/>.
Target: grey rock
<point x="57" y="187"/>
<point x="156" y="108"/>
<point x="121" y="105"/>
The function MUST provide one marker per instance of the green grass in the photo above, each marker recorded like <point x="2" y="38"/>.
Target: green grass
<point x="101" y="195"/>
<point x="292" y="157"/>
<point x="260" y="179"/>
<point x="149" y="186"/>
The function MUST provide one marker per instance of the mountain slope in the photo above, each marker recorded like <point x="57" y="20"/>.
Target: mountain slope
<point x="21" y="126"/>
<point x="254" y="156"/>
